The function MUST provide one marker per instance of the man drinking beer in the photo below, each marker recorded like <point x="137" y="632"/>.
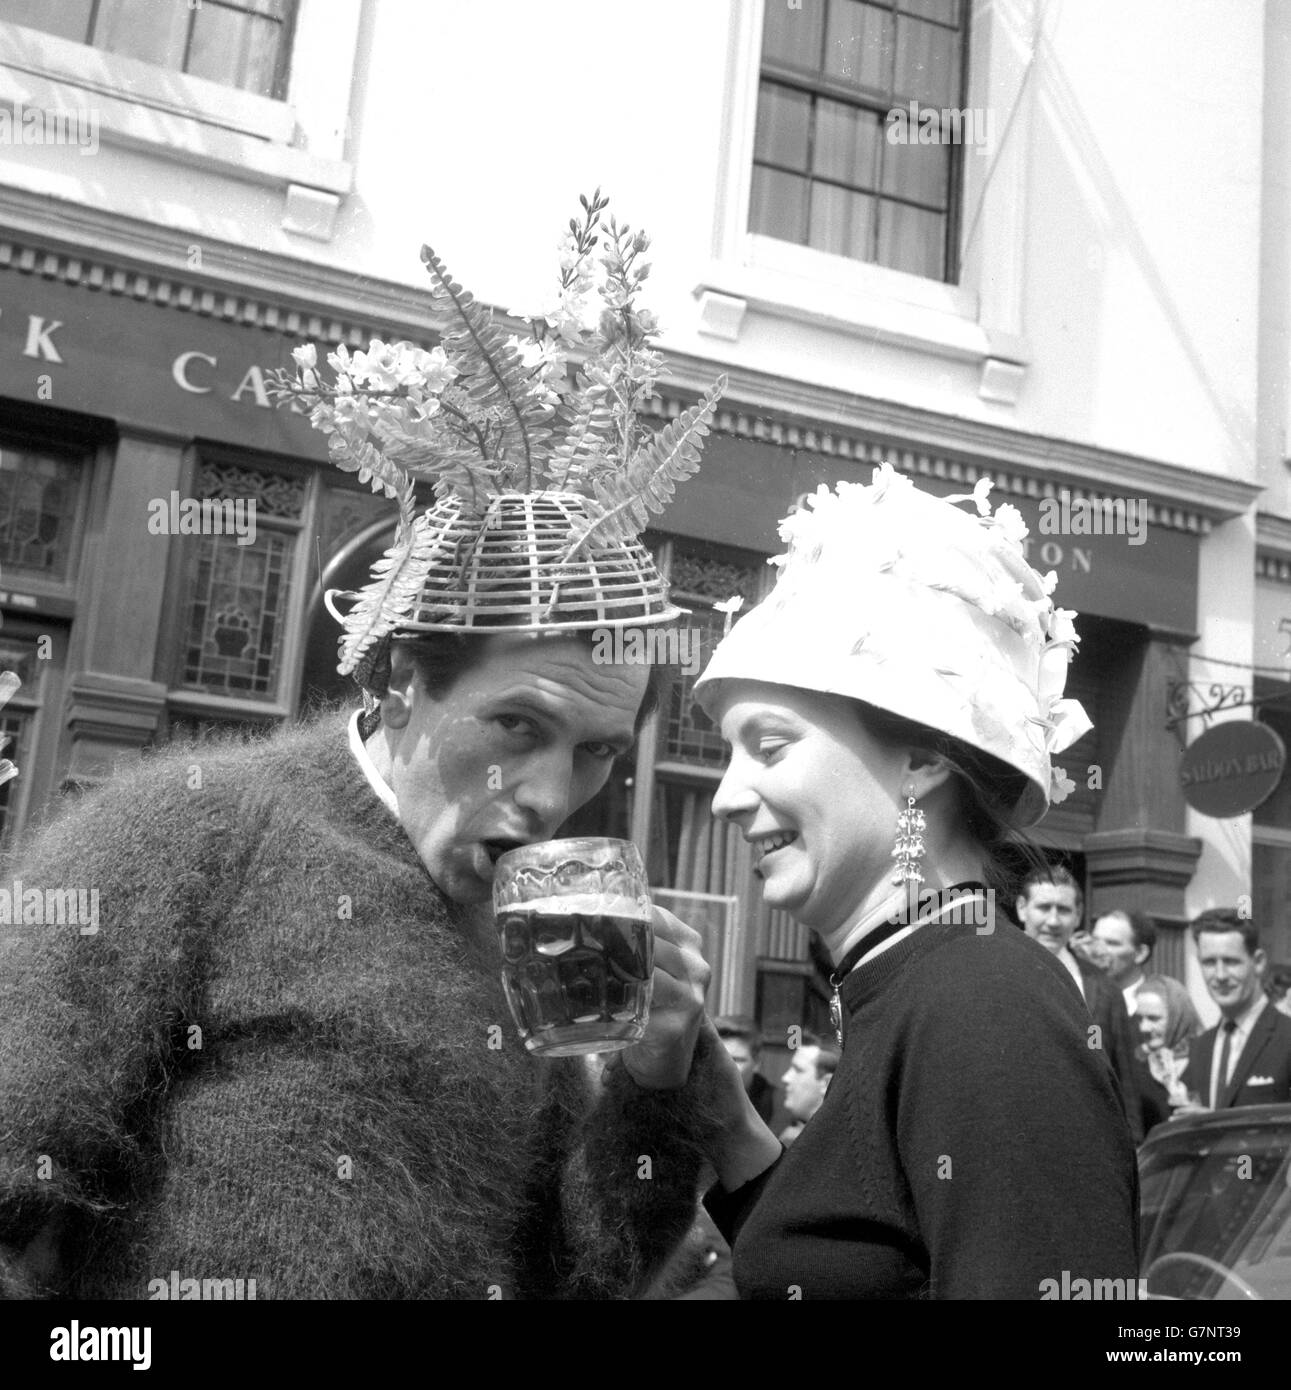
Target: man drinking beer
<point x="285" y="1056"/>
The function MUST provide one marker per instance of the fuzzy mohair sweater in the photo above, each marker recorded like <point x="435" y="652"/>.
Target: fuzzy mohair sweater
<point x="356" y="1117"/>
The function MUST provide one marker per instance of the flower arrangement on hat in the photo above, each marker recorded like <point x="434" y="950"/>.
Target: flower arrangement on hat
<point x="487" y="416"/>
<point x="925" y="608"/>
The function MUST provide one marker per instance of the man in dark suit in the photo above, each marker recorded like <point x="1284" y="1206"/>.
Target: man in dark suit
<point x="1246" y="1058"/>
<point x="1050" y="908"/>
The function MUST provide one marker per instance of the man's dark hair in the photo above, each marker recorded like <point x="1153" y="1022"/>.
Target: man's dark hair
<point x="441" y="658"/>
<point x="1059" y="875"/>
<point x="1225" y="919"/>
<point x="740" y="1026"/>
<point x="1143" y="930"/>
<point x="827" y="1054"/>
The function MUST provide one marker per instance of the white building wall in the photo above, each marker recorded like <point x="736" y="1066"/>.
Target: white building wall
<point x="1113" y="221"/>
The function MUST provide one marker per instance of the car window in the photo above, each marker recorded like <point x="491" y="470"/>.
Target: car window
<point x="1216" y="1213"/>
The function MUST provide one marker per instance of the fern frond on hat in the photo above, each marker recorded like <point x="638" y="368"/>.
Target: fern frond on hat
<point x="542" y="483"/>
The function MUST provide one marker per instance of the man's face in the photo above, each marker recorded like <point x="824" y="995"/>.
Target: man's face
<point x="516" y="745"/>
<point x="741" y="1054"/>
<point x="1050" y="913"/>
<point x="804" y="1090"/>
<point x="1088" y="947"/>
<point x="1117" y="937"/>
<point x="1231" y="973"/>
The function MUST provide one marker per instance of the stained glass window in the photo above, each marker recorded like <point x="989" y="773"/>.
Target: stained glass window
<point x="38" y="496"/>
<point x="16" y="718"/>
<point x="13" y="736"/>
<point x="699" y="576"/>
<point x="240" y="595"/>
<point x="237" y="613"/>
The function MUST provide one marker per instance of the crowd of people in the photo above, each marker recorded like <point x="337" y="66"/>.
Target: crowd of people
<point x="1147" y="1020"/>
<point x="1156" y="1043"/>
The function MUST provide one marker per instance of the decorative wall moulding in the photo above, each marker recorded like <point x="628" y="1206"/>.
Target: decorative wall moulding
<point x="1001" y="381"/>
<point x="721" y="315"/>
<point x="310" y="212"/>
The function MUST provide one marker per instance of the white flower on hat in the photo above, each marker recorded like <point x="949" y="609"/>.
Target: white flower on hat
<point x="1060" y="785"/>
<point x="1062" y="627"/>
<point x="1052" y="680"/>
<point x="977" y="497"/>
<point x="1009" y="521"/>
<point x="1068" y="723"/>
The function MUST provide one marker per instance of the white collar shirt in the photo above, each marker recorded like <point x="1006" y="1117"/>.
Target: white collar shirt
<point x="1241" y="1035"/>
<point x="364" y="760"/>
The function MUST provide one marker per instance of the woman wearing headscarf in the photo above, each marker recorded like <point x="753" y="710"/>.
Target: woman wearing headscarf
<point x="891" y="710"/>
<point x="1167" y="1023"/>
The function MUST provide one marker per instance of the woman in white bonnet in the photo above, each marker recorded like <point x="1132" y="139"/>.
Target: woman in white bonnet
<point x="891" y="711"/>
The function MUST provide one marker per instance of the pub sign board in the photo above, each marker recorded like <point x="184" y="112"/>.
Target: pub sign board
<point x="1232" y="768"/>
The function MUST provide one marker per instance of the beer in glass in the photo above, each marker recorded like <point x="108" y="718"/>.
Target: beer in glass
<point x="574" y="921"/>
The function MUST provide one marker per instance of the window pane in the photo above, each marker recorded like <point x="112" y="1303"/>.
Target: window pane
<point x="143" y="29"/>
<point x="69" y="19"/>
<point x="14" y="730"/>
<point x="779" y="205"/>
<point x="840" y="221"/>
<point x="237" y="614"/>
<point x="912" y="240"/>
<point x="239" y="50"/>
<point x="917" y="172"/>
<point x="792" y="36"/>
<point x="945" y="10"/>
<point x="37" y="512"/>
<point x="18" y="654"/>
<point x="847" y="141"/>
<point x="783" y="117"/>
<point x="927" y="63"/>
<point x="858" y="45"/>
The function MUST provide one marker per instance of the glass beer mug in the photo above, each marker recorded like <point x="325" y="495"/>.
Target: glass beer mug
<point x="574" y="919"/>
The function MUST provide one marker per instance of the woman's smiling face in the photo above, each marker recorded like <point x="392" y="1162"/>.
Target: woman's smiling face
<point x="813" y="793"/>
<point x="1150" y="1011"/>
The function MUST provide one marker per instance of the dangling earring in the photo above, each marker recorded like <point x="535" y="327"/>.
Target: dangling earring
<point x="909" y="847"/>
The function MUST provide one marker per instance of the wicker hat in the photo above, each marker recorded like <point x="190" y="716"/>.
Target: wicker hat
<point x="543" y="477"/>
<point x="908" y="602"/>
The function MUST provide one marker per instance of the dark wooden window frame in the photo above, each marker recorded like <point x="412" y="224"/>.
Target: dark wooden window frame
<point x="286" y="37"/>
<point x="817" y="84"/>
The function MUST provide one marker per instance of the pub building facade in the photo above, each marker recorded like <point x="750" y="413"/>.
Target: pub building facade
<point x="128" y="388"/>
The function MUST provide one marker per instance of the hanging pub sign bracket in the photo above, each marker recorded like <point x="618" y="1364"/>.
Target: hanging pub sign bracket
<point x="1187" y="700"/>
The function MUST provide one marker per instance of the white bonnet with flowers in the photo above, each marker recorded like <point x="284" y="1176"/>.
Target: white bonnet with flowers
<point x="911" y="603"/>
